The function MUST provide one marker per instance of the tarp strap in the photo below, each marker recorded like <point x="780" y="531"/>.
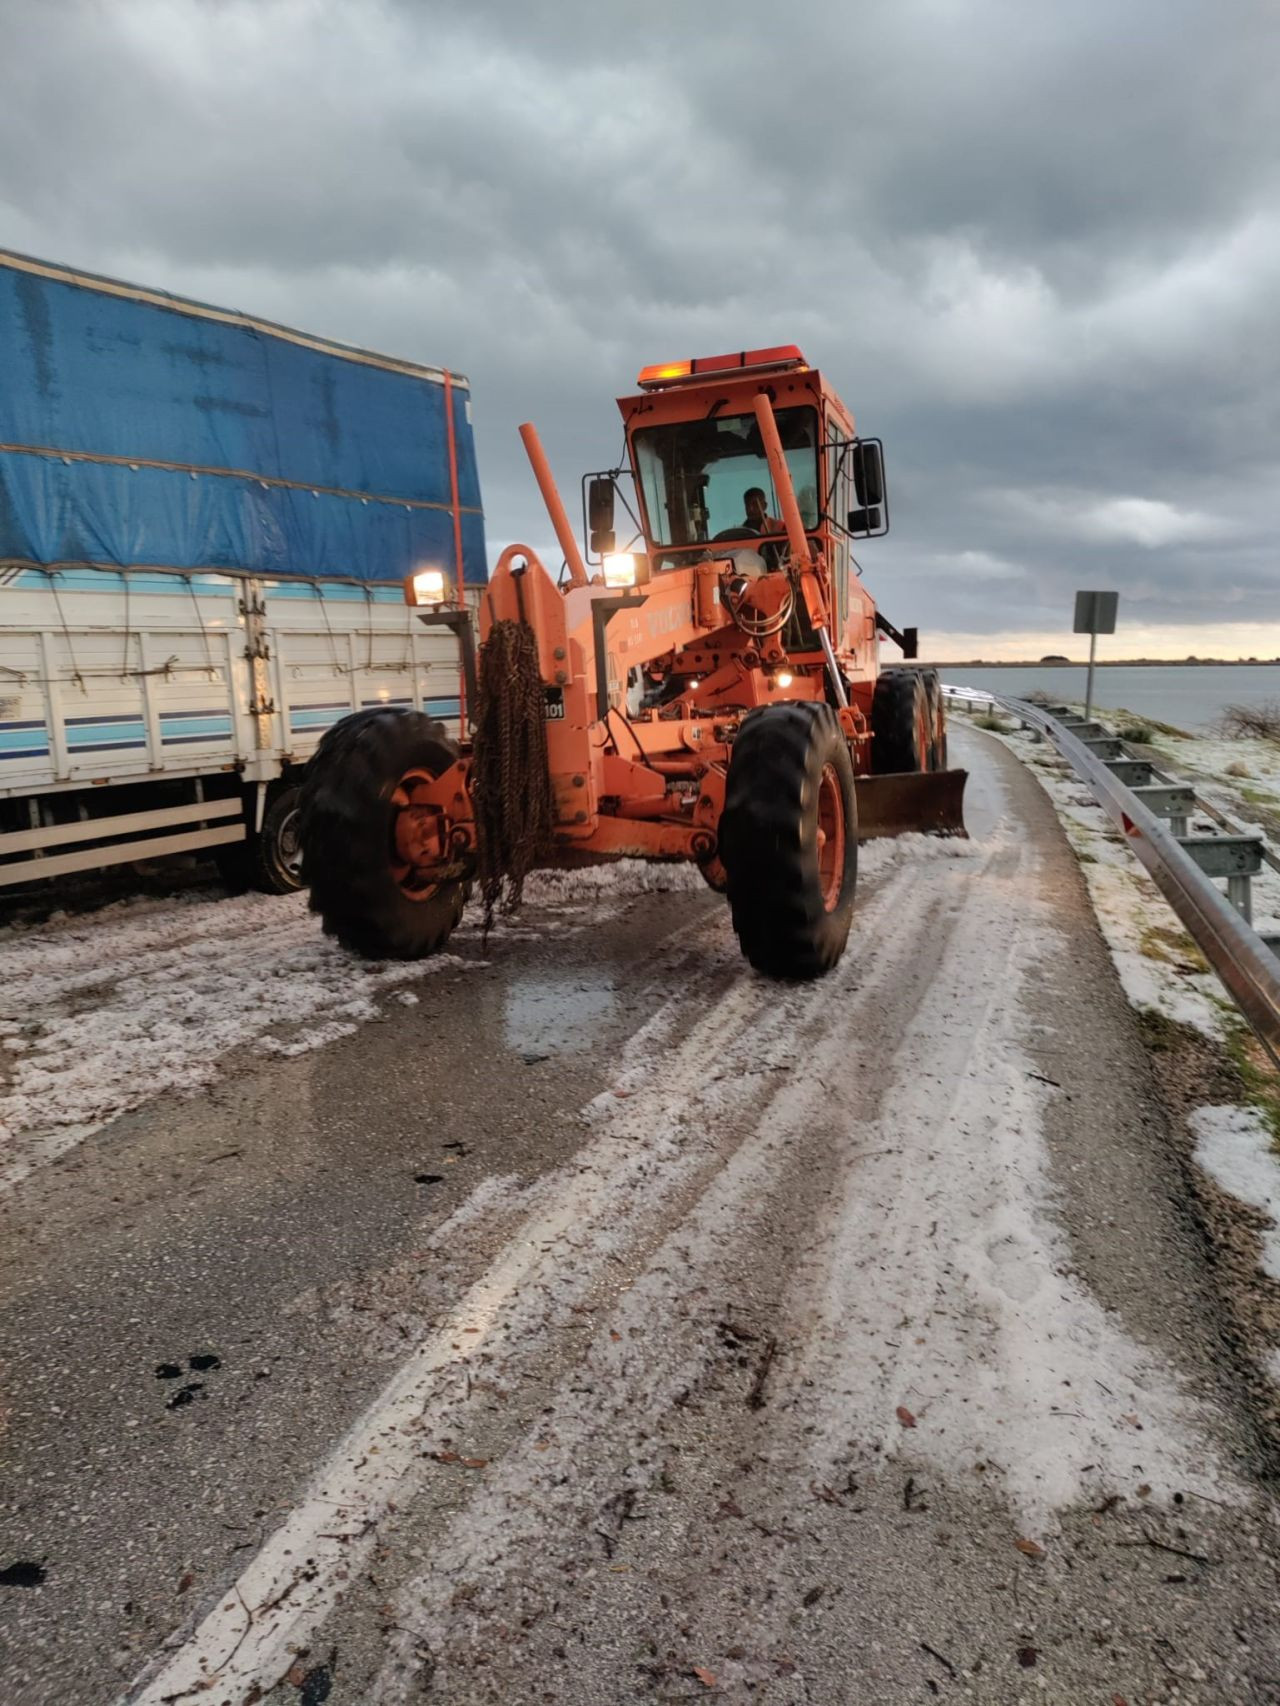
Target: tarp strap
<point x="457" y="529"/>
<point x="453" y="477"/>
<point x="52" y="454"/>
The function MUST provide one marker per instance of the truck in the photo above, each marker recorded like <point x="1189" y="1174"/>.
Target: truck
<point x="713" y="692"/>
<point x="205" y="522"/>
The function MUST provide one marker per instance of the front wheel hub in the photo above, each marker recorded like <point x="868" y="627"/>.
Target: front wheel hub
<point x="419" y="835"/>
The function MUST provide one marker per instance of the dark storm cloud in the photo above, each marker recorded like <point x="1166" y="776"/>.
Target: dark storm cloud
<point x="1037" y="248"/>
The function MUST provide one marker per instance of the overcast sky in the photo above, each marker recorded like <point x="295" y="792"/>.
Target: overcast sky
<point x="1036" y="247"/>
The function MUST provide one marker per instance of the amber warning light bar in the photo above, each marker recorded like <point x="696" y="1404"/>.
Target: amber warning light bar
<point x="680" y="372"/>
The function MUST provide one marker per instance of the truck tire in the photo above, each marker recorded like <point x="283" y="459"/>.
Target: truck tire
<point x="347" y="822"/>
<point x="901" y="723"/>
<point x="271" y="860"/>
<point x="789" y="839"/>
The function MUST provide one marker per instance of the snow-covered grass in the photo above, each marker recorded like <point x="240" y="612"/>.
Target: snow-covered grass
<point x="1234" y="1146"/>
<point x="1245" y="771"/>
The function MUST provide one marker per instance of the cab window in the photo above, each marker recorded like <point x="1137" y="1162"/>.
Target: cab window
<point x="695" y="476"/>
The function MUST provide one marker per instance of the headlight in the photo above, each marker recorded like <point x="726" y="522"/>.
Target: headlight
<point x="620" y="569"/>
<point x="427" y="587"/>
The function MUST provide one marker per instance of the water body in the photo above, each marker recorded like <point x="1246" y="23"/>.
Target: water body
<point x="1188" y="696"/>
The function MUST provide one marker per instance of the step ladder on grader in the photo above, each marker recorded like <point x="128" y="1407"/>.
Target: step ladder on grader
<point x="712" y="693"/>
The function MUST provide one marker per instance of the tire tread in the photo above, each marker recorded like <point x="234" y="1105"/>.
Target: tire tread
<point x="774" y="898"/>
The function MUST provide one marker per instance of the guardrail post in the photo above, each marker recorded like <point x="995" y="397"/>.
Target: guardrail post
<point x="1240" y="894"/>
<point x="1130" y="772"/>
<point x="1235" y="857"/>
<point x="1172" y="800"/>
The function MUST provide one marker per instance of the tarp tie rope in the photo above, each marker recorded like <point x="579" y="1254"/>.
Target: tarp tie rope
<point x="52" y="576"/>
<point x="204" y="632"/>
<point x="328" y="628"/>
<point x="128" y="631"/>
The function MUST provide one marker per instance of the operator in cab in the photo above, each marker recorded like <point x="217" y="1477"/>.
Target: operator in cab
<point x="760" y="521"/>
<point x="758" y="518"/>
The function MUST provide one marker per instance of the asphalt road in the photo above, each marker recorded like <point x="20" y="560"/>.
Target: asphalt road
<point x="591" y="1321"/>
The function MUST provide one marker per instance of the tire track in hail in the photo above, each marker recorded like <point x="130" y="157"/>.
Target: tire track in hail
<point x="595" y="1441"/>
<point x="648" y="1157"/>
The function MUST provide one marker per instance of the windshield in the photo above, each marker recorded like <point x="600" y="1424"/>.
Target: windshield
<point x="709" y="479"/>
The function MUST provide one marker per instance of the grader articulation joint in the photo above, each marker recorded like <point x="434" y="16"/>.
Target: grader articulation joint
<point x="712" y="693"/>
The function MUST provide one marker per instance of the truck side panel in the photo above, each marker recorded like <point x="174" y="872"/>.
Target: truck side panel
<point x="338" y="650"/>
<point x="136" y="695"/>
<point x="109" y="677"/>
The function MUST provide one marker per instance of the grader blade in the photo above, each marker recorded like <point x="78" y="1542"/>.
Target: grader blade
<point x="912" y="803"/>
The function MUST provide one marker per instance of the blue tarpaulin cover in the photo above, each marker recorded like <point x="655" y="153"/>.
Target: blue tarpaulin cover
<point x="141" y="429"/>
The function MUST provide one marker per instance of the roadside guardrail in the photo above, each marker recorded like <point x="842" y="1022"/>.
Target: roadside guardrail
<point x="1151" y="811"/>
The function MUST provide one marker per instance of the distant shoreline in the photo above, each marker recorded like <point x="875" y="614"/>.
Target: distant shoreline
<point x="1111" y="663"/>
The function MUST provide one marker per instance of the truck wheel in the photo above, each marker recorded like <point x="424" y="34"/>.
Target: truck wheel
<point x="270" y="861"/>
<point x="789" y="839"/>
<point x="901" y="723"/>
<point x="937" y="720"/>
<point x="354" y="791"/>
<point x="277" y="852"/>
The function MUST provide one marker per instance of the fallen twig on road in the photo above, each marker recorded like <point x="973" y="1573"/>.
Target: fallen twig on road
<point x="942" y="1660"/>
<point x="755" y="1398"/>
<point x="1164" y="1546"/>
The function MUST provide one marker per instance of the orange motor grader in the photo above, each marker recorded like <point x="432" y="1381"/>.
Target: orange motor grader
<point x="711" y="693"/>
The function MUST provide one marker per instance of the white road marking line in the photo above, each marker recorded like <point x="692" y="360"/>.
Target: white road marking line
<point x="299" y="1573"/>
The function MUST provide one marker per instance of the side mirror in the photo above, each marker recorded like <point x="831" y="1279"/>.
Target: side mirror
<point x="871" y="516"/>
<point x="600" y="495"/>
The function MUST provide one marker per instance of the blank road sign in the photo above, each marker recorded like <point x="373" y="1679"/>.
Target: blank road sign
<point x="1096" y="612"/>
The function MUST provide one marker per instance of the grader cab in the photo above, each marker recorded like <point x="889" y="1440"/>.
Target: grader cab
<point x="711" y="692"/>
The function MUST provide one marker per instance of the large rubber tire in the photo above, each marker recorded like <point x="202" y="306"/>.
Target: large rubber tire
<point x="790" y="764"/>
<point x="937" y="720"/>
<point x="901" y="724"/>
<point x="346" y="823"/>
<point x="271" y="860"/>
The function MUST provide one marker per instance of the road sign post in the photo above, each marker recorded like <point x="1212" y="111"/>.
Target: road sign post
<point x="1095" y="614"/>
